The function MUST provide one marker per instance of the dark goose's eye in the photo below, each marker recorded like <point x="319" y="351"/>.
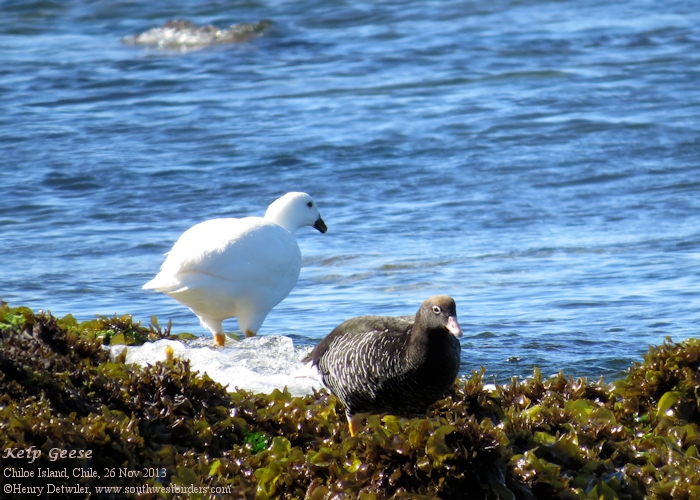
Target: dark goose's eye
<point x="436" y="309"/>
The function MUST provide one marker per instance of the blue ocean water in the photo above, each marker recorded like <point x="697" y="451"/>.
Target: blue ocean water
<point x="537" y="160"/>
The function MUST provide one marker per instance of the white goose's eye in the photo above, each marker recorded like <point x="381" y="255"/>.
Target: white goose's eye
<point x="310" y="204"/>
<point x="437" y="310"/>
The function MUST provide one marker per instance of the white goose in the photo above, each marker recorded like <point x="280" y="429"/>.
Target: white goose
<point x="225" y="268"/>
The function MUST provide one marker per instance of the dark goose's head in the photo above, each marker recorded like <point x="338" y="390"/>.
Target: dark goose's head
<point x="437" y="314"/>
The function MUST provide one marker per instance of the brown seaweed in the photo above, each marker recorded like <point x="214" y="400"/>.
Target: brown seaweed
<point x="537" y="438"/>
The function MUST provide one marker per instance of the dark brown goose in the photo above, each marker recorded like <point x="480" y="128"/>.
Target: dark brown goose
<point x="384" y="364"/>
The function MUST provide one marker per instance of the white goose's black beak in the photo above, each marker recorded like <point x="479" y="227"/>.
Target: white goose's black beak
<point x="320" y="225"/>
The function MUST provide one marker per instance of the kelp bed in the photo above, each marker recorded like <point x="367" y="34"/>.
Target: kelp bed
<point x="539" y="438"/>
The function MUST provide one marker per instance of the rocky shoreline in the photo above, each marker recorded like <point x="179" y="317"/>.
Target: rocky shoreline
<point x="73" y="420"/>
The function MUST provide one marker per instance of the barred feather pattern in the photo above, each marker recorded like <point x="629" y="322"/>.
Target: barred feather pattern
<point x="382" y="371"/>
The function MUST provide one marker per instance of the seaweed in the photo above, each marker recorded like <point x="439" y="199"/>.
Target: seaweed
<point x="555" y="437"/>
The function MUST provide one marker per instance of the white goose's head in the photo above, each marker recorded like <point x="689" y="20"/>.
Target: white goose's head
<point x="295" y="210"/>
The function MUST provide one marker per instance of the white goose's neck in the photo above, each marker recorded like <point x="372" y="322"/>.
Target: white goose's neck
<point x="283" y="218"/>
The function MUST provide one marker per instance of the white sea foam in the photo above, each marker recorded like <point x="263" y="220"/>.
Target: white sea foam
<point x="257" y="364"/>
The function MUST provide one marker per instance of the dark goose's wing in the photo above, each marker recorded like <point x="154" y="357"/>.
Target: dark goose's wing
<point x="355" y="329"/>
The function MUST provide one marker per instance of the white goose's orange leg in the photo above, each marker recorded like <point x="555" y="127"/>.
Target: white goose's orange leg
<point x="248" y="333"/>
<point x="220" y="339"/>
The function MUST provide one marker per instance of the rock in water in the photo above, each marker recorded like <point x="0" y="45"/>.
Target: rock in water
<point x="182" y="34"/>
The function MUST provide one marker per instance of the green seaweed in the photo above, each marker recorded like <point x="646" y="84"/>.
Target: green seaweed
<point x="560" y="437"/>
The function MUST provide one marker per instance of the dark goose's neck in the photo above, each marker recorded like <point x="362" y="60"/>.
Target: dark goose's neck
<point x="428" y="343"/>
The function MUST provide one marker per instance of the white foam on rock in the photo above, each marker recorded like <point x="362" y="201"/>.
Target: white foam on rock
<point x="257" y="364"/>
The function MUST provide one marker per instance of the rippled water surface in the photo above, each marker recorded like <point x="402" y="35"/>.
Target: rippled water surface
<point x="539" y="161"/>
